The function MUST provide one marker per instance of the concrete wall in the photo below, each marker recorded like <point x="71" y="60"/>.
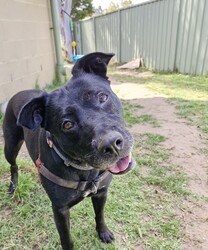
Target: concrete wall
<point x="27" y="55"/>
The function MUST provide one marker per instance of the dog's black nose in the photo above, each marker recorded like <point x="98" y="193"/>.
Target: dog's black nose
<point x="111" y="144"/>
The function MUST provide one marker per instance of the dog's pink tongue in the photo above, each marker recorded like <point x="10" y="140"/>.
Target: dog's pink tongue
<point x="121" y="165"/>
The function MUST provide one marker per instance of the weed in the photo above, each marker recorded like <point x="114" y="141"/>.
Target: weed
<point x="1" y="118"/>
<point x="55" y="85"/>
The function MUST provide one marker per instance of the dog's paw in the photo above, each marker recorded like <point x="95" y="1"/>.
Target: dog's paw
<point x="106" y="236"/>
<point x="12" y="188"/>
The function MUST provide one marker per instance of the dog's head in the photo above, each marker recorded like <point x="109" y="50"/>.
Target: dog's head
<point x="84" y="118"/>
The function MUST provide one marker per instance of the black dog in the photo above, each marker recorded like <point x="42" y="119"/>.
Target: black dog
<point x="77" y="138"/>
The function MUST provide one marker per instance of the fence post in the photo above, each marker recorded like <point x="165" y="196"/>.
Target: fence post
<point x="78" y="37"/>
<point x="175" y="66"/>
<point x="119" y="36"/>
<point x="95" y="40"/>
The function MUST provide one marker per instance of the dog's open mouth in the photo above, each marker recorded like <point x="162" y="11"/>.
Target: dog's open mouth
<point x="122" y="166"/>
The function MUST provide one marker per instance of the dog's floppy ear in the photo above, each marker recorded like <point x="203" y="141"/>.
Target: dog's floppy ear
<point x="32" y="113"/>
<point x="93" y="63"/>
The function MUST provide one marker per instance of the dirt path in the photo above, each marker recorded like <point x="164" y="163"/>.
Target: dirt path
<point x="184" y="142"/>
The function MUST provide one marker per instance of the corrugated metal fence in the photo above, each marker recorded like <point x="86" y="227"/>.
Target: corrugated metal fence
<point x="170" y="35"/>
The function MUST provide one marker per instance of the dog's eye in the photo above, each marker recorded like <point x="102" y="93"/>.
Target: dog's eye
<point x="102" y="97"/>
<point x="67" y="125"/>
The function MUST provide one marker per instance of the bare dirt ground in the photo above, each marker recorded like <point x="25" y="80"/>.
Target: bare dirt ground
<point x="184" y="142"/>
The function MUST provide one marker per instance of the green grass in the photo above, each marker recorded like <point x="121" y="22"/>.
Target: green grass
<point x="160" y="173"/>
<point x="188" y="93"/>
<point x="55" y="85"/>
<point x="139" y="211"/>
<point x="142" y="119"/>
<point x="126" y="77"/>
<point x="131" y="118"/>
<point x="1" y="118"/>
<point x="140" y="207"/>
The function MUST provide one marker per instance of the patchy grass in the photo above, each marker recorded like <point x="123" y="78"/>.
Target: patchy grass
<point x="124" y="76"/>
<point x="188" y="93"/>
<point x="140" y="211"/>
<point x="1" y="118"/>
<point x="181" y="86"/>
<point x="160" y="173"/>
<point x="141" y="206"/>
<point x="142" y="119"/>
<point x="131" y="118"/>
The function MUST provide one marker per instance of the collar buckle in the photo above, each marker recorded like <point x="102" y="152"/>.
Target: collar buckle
<point x="91" y="190"/>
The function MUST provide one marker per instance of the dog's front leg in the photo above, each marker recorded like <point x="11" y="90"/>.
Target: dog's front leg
<point x="61" y="217"/>
<point x="98" y="202"/>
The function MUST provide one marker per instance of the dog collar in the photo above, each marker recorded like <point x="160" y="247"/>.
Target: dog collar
<point x="85" y="187"/>
<point x="68" y="162"/>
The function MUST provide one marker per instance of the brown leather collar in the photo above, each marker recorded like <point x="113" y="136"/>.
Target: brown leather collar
<point x="85" y="187"/>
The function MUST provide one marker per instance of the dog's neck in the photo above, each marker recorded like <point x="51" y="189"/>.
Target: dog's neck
<point x="67" y="161"/>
